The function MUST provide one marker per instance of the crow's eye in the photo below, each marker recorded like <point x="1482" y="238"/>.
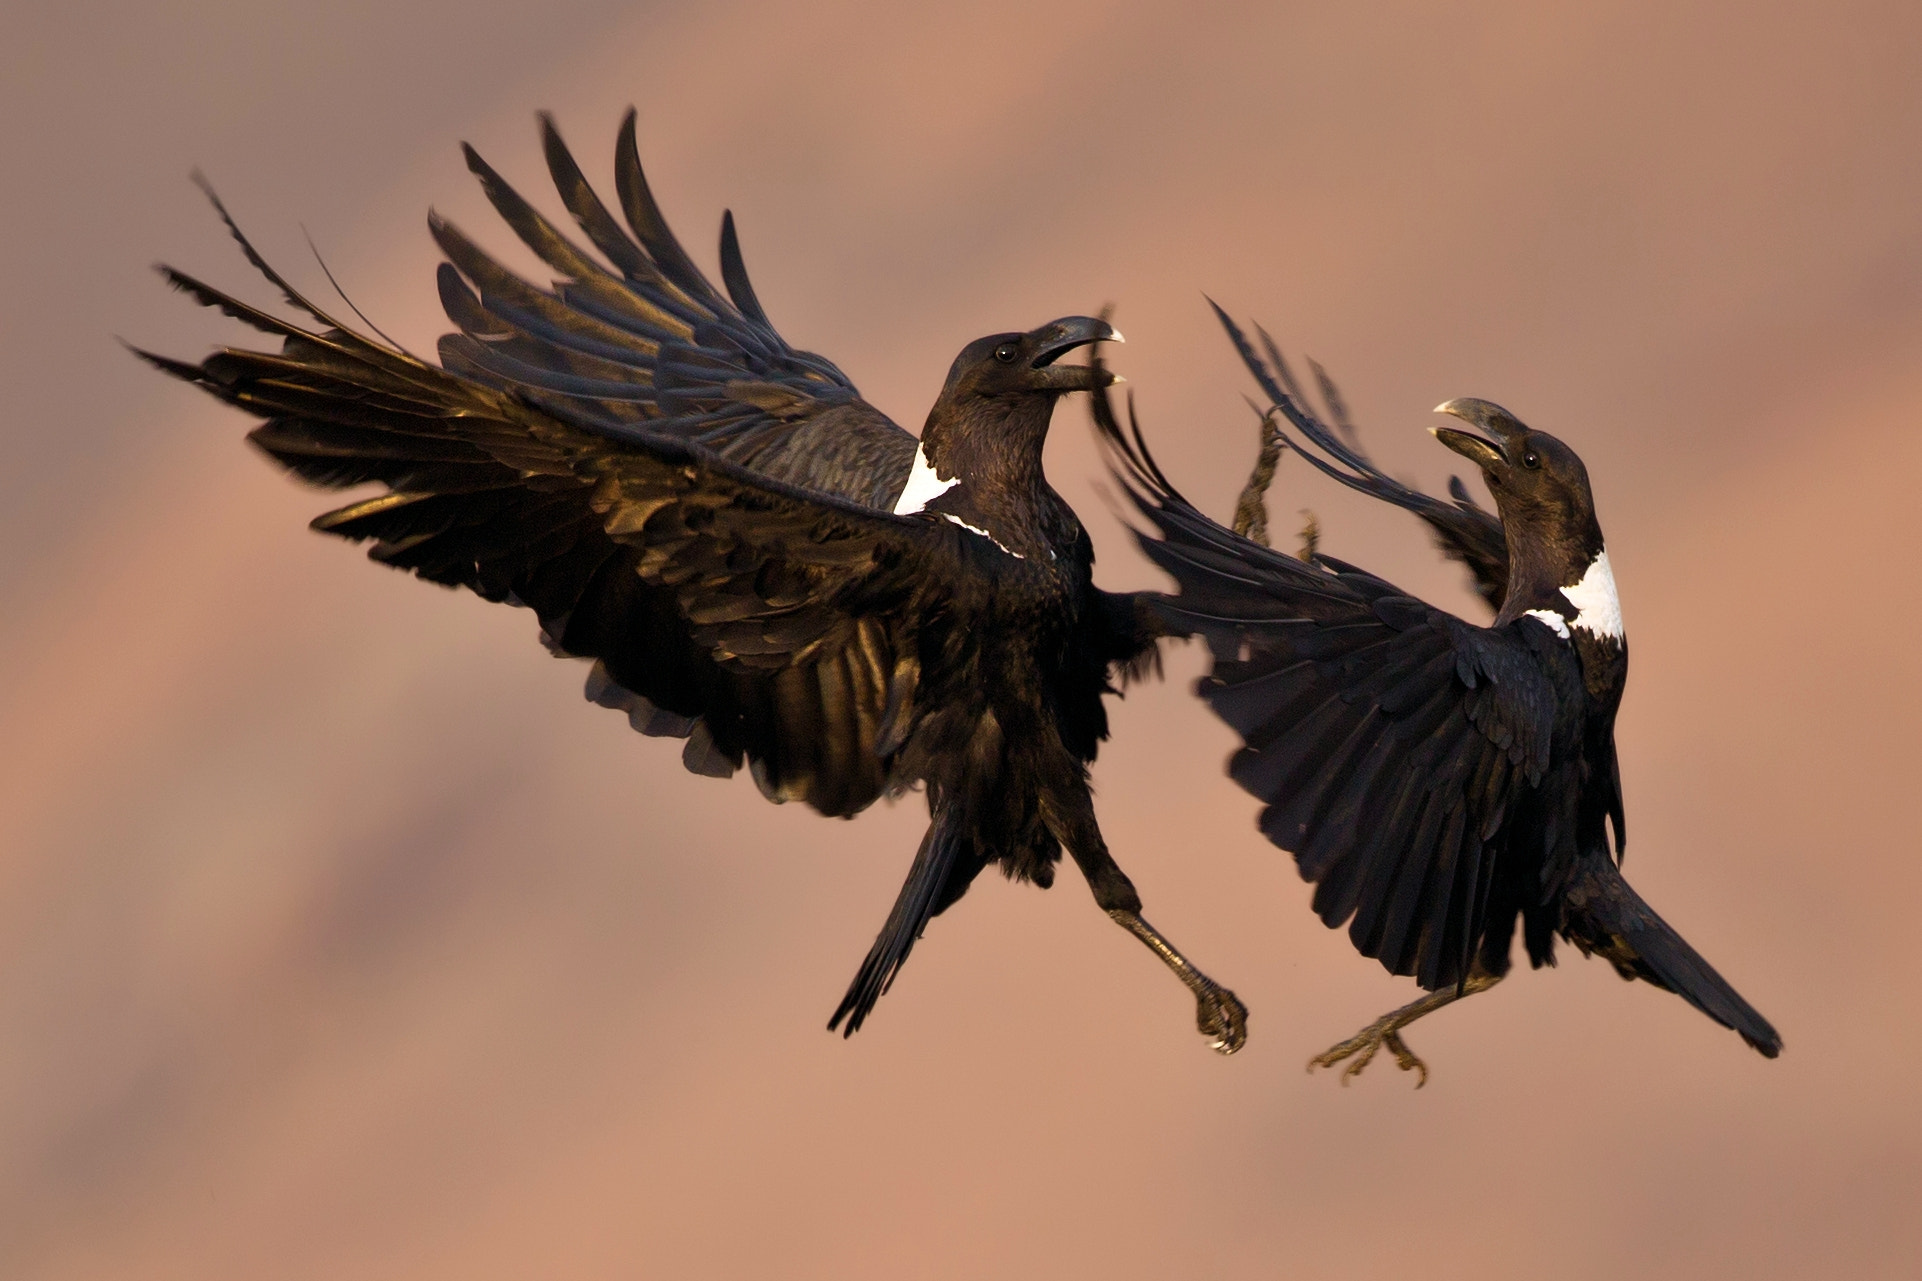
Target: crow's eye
<point x="1532" y="461"/>
<point x="1006" y="353"/>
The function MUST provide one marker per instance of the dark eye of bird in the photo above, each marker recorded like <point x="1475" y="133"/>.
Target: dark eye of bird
<point x="1006" y="353"/>
<point x="1531" y="461"/>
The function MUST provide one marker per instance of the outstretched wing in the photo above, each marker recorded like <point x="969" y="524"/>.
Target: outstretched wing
<point x="648" y="342"/>
<point x="1391" y="742"/>
<point x="759" y="619"/>
<point x="1463" y="530"/>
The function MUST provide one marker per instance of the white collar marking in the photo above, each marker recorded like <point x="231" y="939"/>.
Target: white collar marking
<point x="1599" y="610"/>
<point x="976" y="529"/>
<point x="1555" y="622"/>
<point x="923" y="487"/>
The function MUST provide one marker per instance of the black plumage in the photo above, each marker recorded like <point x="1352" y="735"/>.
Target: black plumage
<point x="753" y="557"/>
<point x="1439" y="782"/>
<point x="1463" y="530"/>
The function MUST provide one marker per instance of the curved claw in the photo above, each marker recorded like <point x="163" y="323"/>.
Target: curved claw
<point x="1406" y="1059"/>
<point x="1222" y="1018"/>
<point x="1362" y="1048"/>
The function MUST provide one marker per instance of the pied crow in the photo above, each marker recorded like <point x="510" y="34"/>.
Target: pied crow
<point x="755" y="559"/>
<point x="1439" y="782"/>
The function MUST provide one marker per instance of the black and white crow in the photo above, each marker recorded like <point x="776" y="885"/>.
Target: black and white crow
<point x="1437" y="781"/>
<point x="755" y="559"/>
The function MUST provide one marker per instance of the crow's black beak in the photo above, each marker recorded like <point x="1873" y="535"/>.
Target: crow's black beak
<point x="1059" y="337"/>
<point x="1491" y="418"/>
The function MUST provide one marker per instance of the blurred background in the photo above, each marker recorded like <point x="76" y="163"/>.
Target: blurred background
<point x="340" y="938"/>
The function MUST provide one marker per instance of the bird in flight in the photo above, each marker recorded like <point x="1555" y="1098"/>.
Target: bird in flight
<point x="1439" y="782"/>
<point x="755" y="559"/>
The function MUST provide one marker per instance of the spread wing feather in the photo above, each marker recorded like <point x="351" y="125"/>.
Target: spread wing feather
<point x="643" y="340"/>
<point x="763" y="621"/>
<point x="1463" y="530"/>
<point x="1390" y="741"/>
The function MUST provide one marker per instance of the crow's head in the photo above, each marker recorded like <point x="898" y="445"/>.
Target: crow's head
<point x="1537" y="481"/>
<point x="984" y="437"/>
<point x="1006" y="365"/>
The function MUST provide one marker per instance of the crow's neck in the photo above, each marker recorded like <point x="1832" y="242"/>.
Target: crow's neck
<point x="1537" y="571"/>
<point x="991" y="449"/>
<point x="1564" y="579"/>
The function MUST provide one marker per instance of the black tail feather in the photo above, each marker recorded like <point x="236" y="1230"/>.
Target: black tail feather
<point x="1668" y="960"/>
<point x="920" y="898"/>
<point x="1615" y="922"/>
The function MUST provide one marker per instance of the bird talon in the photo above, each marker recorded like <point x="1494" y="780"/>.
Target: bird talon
<point x="1362" y="1047"/>
<point x="1222" y="1017"/>
<point x="1406" y="1059"/>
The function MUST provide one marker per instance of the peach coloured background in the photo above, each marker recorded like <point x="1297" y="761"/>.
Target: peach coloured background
<point x="340" y="939"/>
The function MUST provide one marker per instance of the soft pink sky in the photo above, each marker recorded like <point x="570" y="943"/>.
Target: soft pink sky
<point x="340" y="938"/>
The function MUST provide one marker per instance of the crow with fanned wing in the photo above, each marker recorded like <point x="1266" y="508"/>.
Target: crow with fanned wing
<point x="754" y="559"/>
<point x="1437" y="781"/>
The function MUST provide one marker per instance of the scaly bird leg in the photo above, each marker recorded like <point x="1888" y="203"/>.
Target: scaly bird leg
<point x="1310" y="537"/>
<point x="1219" y="1013"/>
<point x="1386" y="1030"/>
<point x="1251" y="509"/>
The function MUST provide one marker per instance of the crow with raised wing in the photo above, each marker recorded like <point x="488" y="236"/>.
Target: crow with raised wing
<point x="1463" y="530"/>
<point x="1439" y="782"/>
<point x="755" y="559"/>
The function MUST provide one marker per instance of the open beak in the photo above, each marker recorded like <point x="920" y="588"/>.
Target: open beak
<point x="1059" y="337"/>
<point x="1489" y="455"/>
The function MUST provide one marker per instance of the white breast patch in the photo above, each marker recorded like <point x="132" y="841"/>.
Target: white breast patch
<point x="1599" y="610"/>
<point x="923" y="486"/>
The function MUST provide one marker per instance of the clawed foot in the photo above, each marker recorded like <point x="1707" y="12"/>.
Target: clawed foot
<point x="1222" y="1018"/>
<point x="1219" y="1013"/>
<point x="1365" y="1044"/>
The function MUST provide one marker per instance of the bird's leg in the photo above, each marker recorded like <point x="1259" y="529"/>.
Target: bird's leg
<point x="1219" y="1013"/>
<point x="1386" y="1030"/>
<point x="1251" y="509"/>
<point x="1310" y="537"/>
